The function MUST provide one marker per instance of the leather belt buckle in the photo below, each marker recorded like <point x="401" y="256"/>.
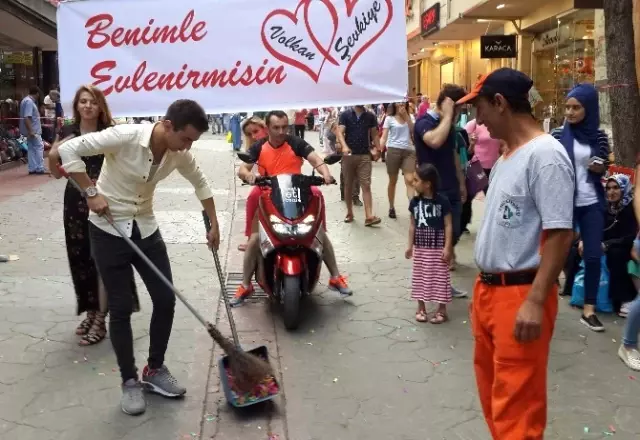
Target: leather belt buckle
<point x="489" y="279"/>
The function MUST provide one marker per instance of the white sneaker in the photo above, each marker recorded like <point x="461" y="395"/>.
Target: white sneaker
<point x="624" y="310"/>
<point x="630" y="357"/>
<point x="457" y="293"/>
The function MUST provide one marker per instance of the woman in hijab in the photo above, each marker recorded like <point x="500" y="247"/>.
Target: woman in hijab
<point x="620" y="230"/>
<point x="588" y="149"/>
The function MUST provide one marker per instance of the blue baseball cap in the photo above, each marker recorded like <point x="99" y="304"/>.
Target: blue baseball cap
<point x="510" y="83"/>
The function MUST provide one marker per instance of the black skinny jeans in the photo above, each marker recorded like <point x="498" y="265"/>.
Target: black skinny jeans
<point x="115" y="261"/>
<point x="299" y="130"/>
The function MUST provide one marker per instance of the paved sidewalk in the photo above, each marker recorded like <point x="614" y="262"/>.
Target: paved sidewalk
<point x="356" y="369"/>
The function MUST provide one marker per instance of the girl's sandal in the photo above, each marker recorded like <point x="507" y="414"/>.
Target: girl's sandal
<point x="421" y="317"/>
<point x="97" y="332"/>
<point x="86" y="324"/>
<point x="372" y="221"/>
<point x="439" y="318"/>
<point x="242" y="247"/>
<point x="348" y="219"/>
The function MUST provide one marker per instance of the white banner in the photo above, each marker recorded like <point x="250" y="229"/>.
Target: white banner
<point x="233" y="55"/>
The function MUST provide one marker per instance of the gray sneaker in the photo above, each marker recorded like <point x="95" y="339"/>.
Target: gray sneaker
<point x="162" y="382"/>
<point x="456" y="293"/>
<point x="132" y="401"/>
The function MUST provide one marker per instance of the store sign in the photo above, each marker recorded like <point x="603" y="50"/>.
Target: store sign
<point x="430" y="20"/>
<point x="588" y="4"/>
<point x="19" y="58"/>
<point x="498" y="46"/>
<point x="288" y="54"/>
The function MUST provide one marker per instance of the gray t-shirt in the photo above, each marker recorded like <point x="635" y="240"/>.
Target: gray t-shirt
<point x="530" y="191"/>
<point x="399" y="134"/>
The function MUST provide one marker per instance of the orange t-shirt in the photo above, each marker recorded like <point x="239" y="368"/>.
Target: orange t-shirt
<point x="285" y="159"/>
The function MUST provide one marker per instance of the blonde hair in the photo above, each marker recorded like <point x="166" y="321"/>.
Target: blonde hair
<point x="252" y="120"/>
<point x="104" y="118"/>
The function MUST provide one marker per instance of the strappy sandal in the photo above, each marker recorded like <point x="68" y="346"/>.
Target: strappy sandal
<point x="97" y="332"/>
<point x="86" y="324"/>
<point x="348" y="218"/>
<point x="421" y="316"/>
<point x="439" y="318"/>
<point x="372" y="221"/>
<point x="242" y="247"/>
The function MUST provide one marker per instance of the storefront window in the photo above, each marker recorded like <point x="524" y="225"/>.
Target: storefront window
<point x="17" y="74"/>
<point x="563" y="57"/>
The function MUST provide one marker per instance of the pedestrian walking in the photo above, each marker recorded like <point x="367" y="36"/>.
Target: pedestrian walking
<point x="358" y="131"/>
<point x="31" y="127"/>
<point x="139" y="156"/>
<point x="521" y="248"/>
<point x="300" y="123"/>
<point x="430" y="246"/>
<point x="397" y="136"/>
<point x="588" y="149"/>
<point x="90" y="114"/>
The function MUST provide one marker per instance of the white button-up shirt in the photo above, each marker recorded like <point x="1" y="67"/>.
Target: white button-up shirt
<point x="125" y="180"/>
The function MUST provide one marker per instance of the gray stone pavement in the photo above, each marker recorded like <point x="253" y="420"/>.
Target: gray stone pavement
<point x="359" y="368"/>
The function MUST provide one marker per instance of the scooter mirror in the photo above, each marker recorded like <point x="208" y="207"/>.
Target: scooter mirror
<point x="245" y="157"/>
<point x="334" y="158"/>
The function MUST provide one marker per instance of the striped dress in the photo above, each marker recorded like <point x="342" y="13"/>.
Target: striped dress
<point x="431" y="279"/>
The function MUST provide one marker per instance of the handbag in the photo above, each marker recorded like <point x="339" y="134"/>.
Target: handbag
<point x="477" y="179"/>
<point x="603" y="302"/>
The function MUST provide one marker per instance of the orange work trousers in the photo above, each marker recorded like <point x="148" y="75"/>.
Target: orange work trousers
<point x="511" y="376"/>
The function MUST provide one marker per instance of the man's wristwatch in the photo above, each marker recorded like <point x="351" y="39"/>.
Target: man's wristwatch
<point x="91" y="191"/>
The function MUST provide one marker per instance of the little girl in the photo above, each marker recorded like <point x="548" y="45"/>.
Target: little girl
<point x="430" y="245"/>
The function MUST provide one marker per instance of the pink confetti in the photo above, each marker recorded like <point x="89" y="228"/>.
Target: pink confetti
<point x="632" y="377"/>
<point x="612" y="428"/>
<point x="274" y="437"/>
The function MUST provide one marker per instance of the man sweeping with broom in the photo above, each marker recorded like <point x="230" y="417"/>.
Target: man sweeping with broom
<point x="137" y="157"/>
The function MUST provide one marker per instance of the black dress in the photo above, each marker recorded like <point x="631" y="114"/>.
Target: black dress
<point x="619" y="232"/>
<point x="76" y="232"/>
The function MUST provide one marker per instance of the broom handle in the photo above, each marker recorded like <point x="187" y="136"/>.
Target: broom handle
<point x="144" y="258"/>
<point x="223" y="287"/>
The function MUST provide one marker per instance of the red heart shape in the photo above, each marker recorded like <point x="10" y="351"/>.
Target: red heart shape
<point x="293" y="17"/>
<point x="351" y="4"/>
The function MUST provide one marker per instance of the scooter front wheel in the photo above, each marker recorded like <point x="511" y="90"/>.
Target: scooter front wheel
<point x="291" y="294"/>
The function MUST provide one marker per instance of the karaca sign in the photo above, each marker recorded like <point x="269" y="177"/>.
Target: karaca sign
<point x="233" y="55"/>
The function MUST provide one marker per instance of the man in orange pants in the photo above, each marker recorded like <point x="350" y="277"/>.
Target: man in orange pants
<point x="521" y="247"/>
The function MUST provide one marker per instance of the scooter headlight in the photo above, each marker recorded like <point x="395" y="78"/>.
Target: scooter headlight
<point x="287" y="230"/>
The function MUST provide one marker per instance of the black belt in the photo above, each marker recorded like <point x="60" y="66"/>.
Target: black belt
<point x="508" y="278"/>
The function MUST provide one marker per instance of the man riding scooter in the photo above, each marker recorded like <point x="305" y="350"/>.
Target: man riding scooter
<point x="279" y="154"/>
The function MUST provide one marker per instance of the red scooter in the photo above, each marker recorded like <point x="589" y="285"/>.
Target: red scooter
<point x="291" y="238"/>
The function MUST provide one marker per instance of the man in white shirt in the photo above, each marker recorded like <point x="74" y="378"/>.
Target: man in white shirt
<point x="137" y="157"/>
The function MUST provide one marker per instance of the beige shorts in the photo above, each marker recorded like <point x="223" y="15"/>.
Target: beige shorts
<point x="400" y="159"/>
<point x="357" y="166"/>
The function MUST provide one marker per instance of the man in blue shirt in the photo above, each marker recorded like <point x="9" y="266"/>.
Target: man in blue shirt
<point x="435" y="140"/>
<point x="31" y="127"/>
<point x="358" y="138"/>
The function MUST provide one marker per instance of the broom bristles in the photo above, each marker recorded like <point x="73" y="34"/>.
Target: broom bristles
<point x="247" y="369"/>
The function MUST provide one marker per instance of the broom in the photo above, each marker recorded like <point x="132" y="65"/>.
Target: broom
<point x="247" y="370"/>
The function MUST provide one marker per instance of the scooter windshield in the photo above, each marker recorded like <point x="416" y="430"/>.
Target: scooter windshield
<point x="290" y="194"/>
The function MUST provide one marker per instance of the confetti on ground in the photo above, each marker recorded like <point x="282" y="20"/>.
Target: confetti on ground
<point x="312" y="331"/>
<point x="613" y="340"/>
<point x="335" y="380"/>
<point x="464" y="322"/>
<point x="39" y="239"/>
<point x="75" y="362"/>
<point x="632" y="377"/>
<point x="607" y="433"/>
<point x="273" y="437"/>
<point x="309" y="343"/>
<point x="210" y="417"/>
<point x="586" y="430"/>
<point x="339" y="354"/>
<point x="612" y="428"/>
<point x="405" y="390"/>
<point x="101" y="374"/>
